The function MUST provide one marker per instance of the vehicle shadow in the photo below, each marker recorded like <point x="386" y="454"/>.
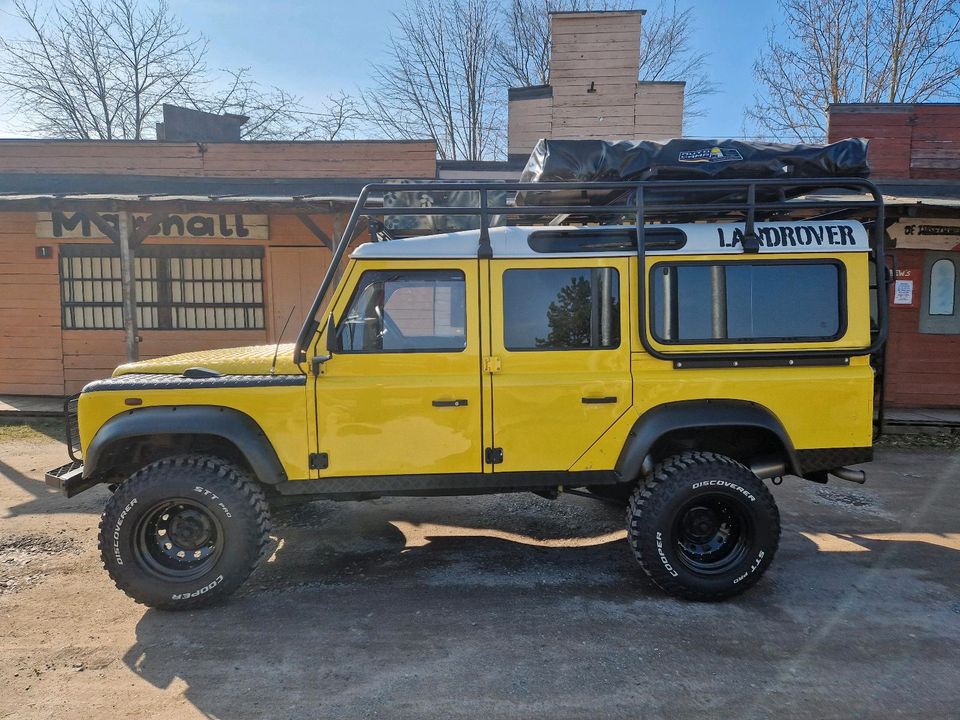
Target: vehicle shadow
<point x="453" y="608"/>
<point x="45" y="500"/>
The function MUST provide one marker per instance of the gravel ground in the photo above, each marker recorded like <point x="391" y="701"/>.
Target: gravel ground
<point x="496" y="607"/>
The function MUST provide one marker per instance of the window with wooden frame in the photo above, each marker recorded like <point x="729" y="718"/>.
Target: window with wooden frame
<point x="940" y="298"/>
<point x="179" y="287"/>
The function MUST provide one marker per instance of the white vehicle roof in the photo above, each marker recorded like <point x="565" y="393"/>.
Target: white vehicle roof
<point x="682" y="239"/>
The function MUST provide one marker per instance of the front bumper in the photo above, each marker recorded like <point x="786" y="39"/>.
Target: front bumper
<point x="69" y="479"/>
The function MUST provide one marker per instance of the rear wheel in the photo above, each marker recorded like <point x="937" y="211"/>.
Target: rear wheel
<point x="184" y="532"/>
<point x="704" y="527"/>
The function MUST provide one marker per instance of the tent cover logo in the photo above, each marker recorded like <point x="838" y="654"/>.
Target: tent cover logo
<point x="713" y="154"/>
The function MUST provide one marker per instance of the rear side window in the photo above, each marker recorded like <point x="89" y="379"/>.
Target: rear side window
<point x="561" y="309"/>
<point x="747" y="302"/>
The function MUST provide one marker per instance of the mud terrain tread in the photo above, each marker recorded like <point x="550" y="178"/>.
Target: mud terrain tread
<point x="645" y="501"/>
<point x="248" y="489"/>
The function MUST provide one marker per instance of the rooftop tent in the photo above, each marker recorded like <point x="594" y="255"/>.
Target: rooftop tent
<point x="684" y="159"/>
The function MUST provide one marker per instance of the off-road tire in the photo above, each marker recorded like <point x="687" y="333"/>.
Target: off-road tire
<point x="659" y="511"/>
<point x="220" y="494"/>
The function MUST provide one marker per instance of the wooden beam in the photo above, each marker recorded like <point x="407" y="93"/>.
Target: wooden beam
<point x="181" y="206"/>
<point x="102" y="225"/>
<point x="150" y="223"/>
<point x="315" y="229"/>
<point x="128" y="285"/>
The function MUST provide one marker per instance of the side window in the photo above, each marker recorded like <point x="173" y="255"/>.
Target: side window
<point x="941" y="295"/>
<point x="405" y="311"/>
<point x="561" y="309"/>
<point x="943" y="287"/>
<point x="746" y="302"/>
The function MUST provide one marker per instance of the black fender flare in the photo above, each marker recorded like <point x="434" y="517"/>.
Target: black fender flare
<point x="232" y="425"/>
<point x="684" y="414"/>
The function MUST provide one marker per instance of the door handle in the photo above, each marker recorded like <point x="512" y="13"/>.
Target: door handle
<point x="449" y="403"/>
<point x="598" y="400"/>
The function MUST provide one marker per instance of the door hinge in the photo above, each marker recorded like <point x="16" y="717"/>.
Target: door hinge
<point x="319" y="461"/>
<point x="491" y="364"/>
<point x="493" y="456"/>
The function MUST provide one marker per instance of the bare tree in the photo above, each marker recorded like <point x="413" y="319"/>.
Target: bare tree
<point x="666" y="51"/>
<point x="101" y="69"/>
<point x="523" y="48"/>
<point x="340" y="117"/>
<point x="438" y="80"/>
<point x="276" y="114"/>
<point x="921" y="58"/>
<point x="838" y="51"/>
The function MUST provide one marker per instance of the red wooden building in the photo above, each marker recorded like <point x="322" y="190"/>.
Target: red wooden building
<point x="914" y="156"/>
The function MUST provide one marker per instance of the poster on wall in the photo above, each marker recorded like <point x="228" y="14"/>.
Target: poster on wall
<point x="906" y="288"/>
<point x="903" y="292"/>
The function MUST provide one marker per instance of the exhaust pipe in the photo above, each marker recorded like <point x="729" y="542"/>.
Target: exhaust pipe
<point x="845" y="473"/>
<point x="768" y="467"/>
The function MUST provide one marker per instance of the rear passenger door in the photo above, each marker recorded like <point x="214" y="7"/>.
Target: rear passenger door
<point x="560" y="358"/>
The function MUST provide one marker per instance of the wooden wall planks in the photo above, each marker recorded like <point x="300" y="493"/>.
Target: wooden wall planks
<point x="913" y="141"/>
<point x="30" y="350"/>
<point x="923" y="370"/>
<point x="368" y="158"/>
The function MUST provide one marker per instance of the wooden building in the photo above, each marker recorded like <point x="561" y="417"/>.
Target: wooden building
<point x="238" y="236"/>
<point x="914" y="155"/>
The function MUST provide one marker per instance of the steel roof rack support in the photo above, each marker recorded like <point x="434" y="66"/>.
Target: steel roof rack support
<point x="750" y="242"/>
<point x="484" y="252"/>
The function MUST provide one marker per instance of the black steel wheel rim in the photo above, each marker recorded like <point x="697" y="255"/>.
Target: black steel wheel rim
<point x="712" y="533"/>
<point x="178" y="540"/>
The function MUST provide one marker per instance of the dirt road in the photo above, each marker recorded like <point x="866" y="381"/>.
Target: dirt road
<point x="497" y="607"/>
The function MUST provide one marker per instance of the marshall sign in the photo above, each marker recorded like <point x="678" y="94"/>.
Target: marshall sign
<point x="231" y="227"/>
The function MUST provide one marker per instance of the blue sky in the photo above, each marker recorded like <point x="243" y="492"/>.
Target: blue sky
<point x="317" y="48"/>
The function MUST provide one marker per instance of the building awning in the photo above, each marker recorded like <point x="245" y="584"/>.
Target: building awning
<point x="264" y="204"/>
<point x="150" y="194"/>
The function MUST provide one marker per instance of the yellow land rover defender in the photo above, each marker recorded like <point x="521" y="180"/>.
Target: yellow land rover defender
<point x="667" y="344"/>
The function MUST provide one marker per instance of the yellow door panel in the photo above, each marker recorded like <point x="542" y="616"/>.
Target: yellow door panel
<point x="840" y="419"/>
<point x="563" y="356"/>
<point x="391" y="402"/>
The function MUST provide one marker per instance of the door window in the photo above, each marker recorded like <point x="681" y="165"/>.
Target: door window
<point x="561" y="309"/>
<point x="405" y="311"/>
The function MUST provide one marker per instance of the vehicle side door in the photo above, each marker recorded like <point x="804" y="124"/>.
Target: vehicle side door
<point x="401" y="393"/>
<point x="560" y="363"/>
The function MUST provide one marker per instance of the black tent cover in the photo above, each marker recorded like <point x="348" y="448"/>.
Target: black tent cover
<point x="687" y="159"/>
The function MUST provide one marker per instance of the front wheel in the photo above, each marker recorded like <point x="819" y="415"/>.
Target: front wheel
<point x="703" y="527"/>
<point x="184" y="532"/>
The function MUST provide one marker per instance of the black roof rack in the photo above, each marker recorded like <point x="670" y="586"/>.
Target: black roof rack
<point x="637" y="203"/>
